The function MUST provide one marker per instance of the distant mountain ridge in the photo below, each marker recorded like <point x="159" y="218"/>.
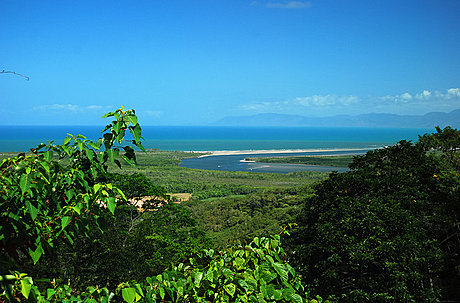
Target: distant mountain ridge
<point x="364" y="120"/>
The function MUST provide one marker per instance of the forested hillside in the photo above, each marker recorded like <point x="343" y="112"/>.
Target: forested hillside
<point x="72" y="229"/>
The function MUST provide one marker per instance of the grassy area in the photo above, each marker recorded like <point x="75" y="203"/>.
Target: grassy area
<point x="162" y="168"/>
<point x="336" y="161"/>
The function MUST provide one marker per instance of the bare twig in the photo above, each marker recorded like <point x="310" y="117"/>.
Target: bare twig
<point x="10" y="72"/>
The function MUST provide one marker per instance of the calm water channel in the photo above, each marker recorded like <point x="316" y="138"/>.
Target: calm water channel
<point x="236" y="163"/>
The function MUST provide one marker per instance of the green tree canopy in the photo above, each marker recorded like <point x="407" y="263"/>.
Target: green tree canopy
<point x="385" y="231"/>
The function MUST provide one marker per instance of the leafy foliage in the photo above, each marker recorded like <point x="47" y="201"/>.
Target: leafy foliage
<point x="386" y="231"/>
<point x="123" y="252"/>
<point x="241" y="218"/>
<point x="56" y="192"/>
<point x="256" y="272"/>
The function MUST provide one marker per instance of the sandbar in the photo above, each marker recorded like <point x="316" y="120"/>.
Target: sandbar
<point x="275" y="151"/>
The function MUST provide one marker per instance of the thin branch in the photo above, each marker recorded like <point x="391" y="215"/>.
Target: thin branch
<point x="10" y="72"/>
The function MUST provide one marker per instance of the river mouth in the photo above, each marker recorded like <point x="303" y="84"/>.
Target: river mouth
<point x="237" y="162"/>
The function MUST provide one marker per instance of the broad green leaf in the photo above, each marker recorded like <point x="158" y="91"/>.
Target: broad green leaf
<point x="198" y="276"/>
<point x="132" y="119"/>
<point x="37" y="253"/>
<point x="69" y="194"/>
<point x="90" y="154"/>
<point x="49" y="293"/>
<point x="263" y="290"/>
<point x="44" y="170"/>
<point x="139" y="290"/>
<point x="96" y="187"/>
<point x="296" y="298"/>
<point x="24" y="183"/>
<point x="230" y="289"/>
<point x="26" y="285"/>
<point x="129" y="294"/>
<point x="116" y="127"/>
<point x="48" y="155"/>
<point x="100" y="157"/>
<point x="113" y="154"/>
<point x="162" y="292"/>
<point x="159" y="278"/>
<point x="209" y="275"/>
<point x="111" y="204"/>
<point x="136" y="132"/>
<point x="65" y="221"/>
<point x="67" y="140"/>
<point x="120" y="136"/>
<point x="251" y="283"/>
<point x="77" y="208"/>
<point x="281" y="270"/>
<point x="32" y="210"/>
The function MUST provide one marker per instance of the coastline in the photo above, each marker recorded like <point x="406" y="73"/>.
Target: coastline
<point x="273" y="151"/>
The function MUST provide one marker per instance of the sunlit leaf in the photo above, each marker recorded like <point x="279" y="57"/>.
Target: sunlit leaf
<point x="132" y="119"/>
<point x="48" y="155"/>
<point x="36" y="254"/>
<point x="65" y="221"/>
<point x="26" y="285"/>
<point x="33" y="211"/>
<point x="129" y="294"/>
<point x="24" y="183"/>
<point x="111" y="204"/>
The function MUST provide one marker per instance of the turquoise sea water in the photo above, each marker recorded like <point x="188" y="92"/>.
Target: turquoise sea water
<point x="207" y="138"/>
<point x="196" y="138"/>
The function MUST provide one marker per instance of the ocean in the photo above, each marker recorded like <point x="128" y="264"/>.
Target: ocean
<point x="210" y="138"/>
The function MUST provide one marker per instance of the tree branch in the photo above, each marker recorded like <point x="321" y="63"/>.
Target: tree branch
<point x="14" y="73"/>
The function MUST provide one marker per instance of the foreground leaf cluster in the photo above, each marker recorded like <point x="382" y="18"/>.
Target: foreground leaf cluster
<point x="57" y="190"/>
<point x="257" y="272"/>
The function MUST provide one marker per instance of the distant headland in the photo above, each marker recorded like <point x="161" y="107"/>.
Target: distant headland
<point x="365" y="120"/>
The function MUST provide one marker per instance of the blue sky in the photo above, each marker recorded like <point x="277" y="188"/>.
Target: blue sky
<point x="194" y="62"/>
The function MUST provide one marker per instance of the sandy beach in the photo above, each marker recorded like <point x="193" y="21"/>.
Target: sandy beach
<point x="273" y="151"/>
